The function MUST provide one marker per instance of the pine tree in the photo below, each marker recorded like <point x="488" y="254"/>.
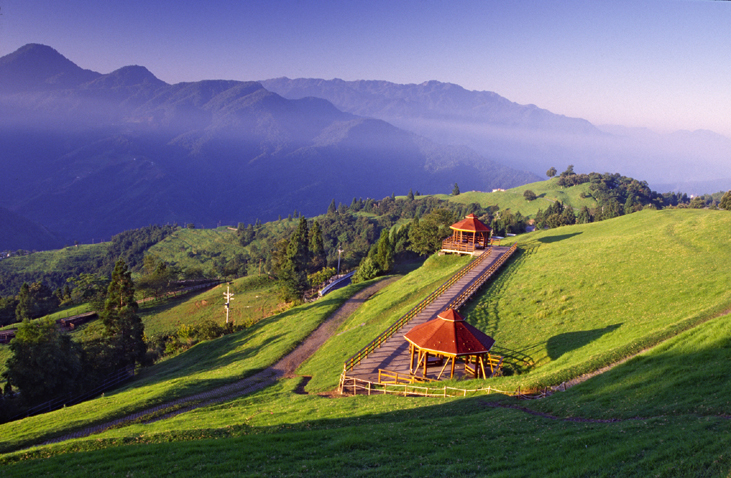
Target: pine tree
<point x="332" y="207"/>
<point x="410" y="196"/>
<point x="317" y="248"/>
<point x="124" y="329"/>
<point x="293" y="272"/>
<point x="455" y="190"/>
<point x="25" y="303"/>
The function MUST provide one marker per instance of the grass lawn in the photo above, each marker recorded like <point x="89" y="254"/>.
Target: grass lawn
<point x="579" y="297"/>
<point x="572" y="300"/>
<point x="205" y="366"/>
<point x="254" y="299"/>
<point x="547" y="192"/>
<point x="671" y="401"/>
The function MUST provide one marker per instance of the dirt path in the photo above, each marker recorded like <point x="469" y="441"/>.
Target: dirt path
<point x="285" y="367"/>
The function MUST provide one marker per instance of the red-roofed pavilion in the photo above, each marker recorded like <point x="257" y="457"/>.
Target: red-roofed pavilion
<point x="447" y="339"/>
<point x="468" y="236"/>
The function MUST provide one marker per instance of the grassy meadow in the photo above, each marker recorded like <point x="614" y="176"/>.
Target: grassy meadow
<point x="572" y="300"/>
<point x="278" y="431"/>
<point x="579" y="297"/>
<point x="205" y="366"/>
<point x="547" y="192"/>
<point x="188" y="248"/>
<point x="255" y="298"/>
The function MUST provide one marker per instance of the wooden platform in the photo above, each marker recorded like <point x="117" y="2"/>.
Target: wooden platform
<point x="393" y="355"/>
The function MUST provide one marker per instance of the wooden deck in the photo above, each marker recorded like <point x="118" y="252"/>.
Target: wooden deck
<point x="393" y="354"/>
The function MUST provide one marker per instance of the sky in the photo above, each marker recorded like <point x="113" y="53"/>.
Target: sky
<point x="659" y="64"/>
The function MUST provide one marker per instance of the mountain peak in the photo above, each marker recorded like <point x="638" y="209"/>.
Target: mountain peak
<point x="133" y="75"/>
<point x="36" y="67"/>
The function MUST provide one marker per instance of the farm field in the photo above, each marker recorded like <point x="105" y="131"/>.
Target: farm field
<point x="573" y="300"/>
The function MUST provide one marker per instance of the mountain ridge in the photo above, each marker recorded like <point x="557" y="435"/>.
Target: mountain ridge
<point x="125" y="149"/>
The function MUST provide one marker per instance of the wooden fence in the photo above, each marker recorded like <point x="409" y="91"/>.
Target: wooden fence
<point x="355" y="386"/>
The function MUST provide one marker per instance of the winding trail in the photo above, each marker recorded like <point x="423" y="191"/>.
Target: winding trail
<point x="285" y="367"/>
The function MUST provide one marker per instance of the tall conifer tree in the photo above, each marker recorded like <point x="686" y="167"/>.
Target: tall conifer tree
<point x="123" y="327"/>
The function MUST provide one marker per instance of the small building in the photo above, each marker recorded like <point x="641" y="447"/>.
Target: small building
<point x="7" y="335"/>
<point x="73" y="322"/>
<point x="469" y="236"/>
<point x="448" y="339"/>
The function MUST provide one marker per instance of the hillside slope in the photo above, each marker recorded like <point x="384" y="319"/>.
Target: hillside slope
<point x="575" y="298"/>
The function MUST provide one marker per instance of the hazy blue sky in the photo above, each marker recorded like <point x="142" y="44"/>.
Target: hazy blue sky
<point x="663" y="64"/>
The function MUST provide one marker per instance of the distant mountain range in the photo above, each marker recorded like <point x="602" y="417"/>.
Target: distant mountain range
<point x="525" y="136"/>
<point x="88" y="155"/>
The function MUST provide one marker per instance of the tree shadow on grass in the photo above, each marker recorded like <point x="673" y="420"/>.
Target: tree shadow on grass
<point x="225" y="351"/>
<point x="562" y="343"/>
<point x="548" y="240"/>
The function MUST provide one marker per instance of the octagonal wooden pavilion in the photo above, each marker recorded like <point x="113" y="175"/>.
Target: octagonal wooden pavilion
<point x="469" y="236"/>
<point x="447" y="339"/>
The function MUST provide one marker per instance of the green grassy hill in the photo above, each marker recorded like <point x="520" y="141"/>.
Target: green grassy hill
<point x="187" y="248"/>
<point x="574" y="299"/>
<point x="546" y="192"/>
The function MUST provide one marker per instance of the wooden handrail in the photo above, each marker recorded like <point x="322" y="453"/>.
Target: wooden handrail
<point x="389" y="332"/>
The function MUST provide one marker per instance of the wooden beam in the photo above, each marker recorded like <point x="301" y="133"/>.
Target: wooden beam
<point x="442" y="370"/>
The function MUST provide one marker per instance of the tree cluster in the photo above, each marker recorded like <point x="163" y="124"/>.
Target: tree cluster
<point x="46" y="363"/>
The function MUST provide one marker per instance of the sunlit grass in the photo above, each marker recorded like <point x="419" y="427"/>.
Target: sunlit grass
<point x="573" y="299"/>
<point x="206" y="365"/>
<point x="547" y="192"/>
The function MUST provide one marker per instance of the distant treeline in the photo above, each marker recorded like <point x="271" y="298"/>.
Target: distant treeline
<point x="128" y="245"/>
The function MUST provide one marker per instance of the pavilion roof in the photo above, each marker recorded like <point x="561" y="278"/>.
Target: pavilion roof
<point x="449" y="334"/>
<point x="470" y="223"/>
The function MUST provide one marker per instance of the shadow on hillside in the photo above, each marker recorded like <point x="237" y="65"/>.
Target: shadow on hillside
<point x="165" y="305"/>
<point x="548" y="240"/>
<point x="219" y="353"/>
<point x="562" y="343"/>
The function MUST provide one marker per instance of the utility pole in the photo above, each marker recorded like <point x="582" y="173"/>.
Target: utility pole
<point x="229" y="297"/>
<point x="340" y="251"/>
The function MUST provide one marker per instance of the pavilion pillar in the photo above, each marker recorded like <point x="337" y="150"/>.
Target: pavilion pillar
<point x="454" y="359"/>
<point x="411" y="361"/>
<point x="426" y="361"/>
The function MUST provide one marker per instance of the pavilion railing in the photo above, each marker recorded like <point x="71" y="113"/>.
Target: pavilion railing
<point x="389" y="332"/>
<point x="450" y="245"/>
